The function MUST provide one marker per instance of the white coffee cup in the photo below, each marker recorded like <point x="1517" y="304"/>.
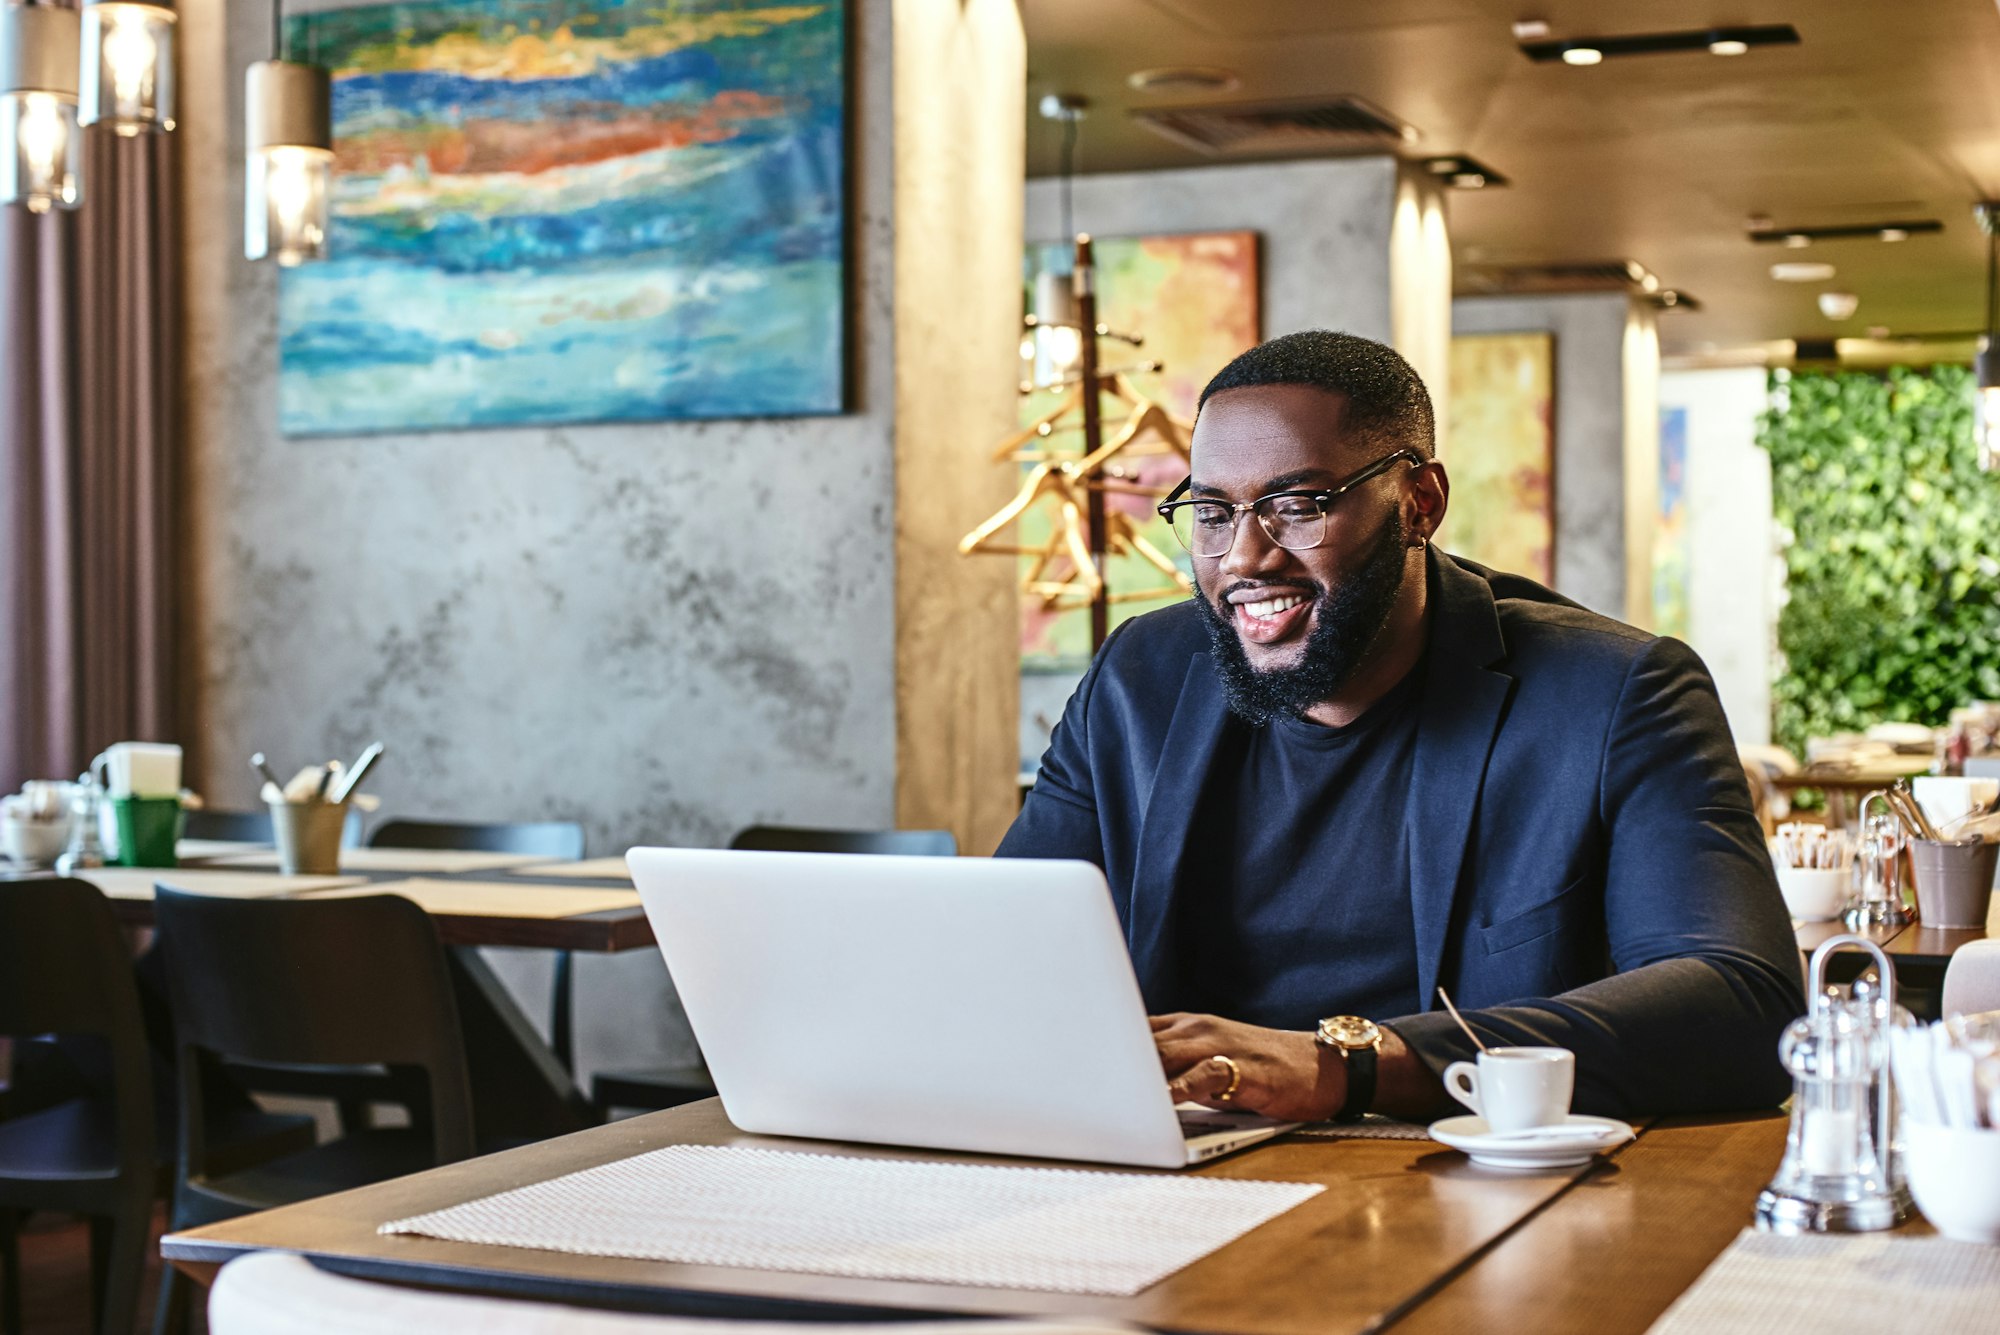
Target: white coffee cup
<point x="1515" y="1089"/>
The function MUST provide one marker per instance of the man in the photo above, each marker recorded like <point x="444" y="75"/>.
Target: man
<point x="1354" y="771"/>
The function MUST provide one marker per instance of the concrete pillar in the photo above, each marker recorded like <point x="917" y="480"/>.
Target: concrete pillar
<point x="1420" y="285"/>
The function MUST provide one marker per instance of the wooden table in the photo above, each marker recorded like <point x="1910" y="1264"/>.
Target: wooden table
<point x="1408" y="1235"/>
<point x="1841" y="783"/>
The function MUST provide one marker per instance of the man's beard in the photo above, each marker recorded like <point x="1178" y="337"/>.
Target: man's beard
<point x="1346" y="620"/>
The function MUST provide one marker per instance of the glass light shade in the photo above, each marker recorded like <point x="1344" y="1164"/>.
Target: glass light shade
<point x="128" y="67"/>
<point x="285" y="198"/>
<point x="288" y="169"/>
<point x="1058" y="349"/>
<point x="41" y="152"/>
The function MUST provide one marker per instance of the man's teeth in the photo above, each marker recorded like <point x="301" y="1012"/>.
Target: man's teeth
<point x="1270" y="607"/>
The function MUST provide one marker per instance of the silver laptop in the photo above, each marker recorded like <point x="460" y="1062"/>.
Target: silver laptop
<point x="951" y="1003"/>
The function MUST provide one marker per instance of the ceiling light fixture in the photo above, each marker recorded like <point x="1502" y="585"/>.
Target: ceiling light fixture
<point x="1802" y="272"/>
<point x="128" y="67"/>
<point x="1886" y="229"/>
<point x="1183" y="79"/>
<point x="41" y="149"/>
<point x="1838" y="305"/>
<point x="1530" y="30"/>
<point x="1718" y="41"/>
<point x="1464" y="173"/>
<point x="1986" y="366"/>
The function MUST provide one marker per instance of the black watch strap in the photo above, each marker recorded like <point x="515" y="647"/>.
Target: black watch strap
<point x="1360" y="1084"/>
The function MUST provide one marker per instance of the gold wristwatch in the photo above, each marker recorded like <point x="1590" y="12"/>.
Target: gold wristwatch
<point x="1358" y="1042"/>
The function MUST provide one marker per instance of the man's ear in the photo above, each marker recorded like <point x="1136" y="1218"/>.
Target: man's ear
<point x="1425" y="501"/>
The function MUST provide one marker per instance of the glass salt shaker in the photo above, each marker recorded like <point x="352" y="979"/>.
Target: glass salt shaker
<point x="1879" y="862"/>
<point x="1839" y="1173"/>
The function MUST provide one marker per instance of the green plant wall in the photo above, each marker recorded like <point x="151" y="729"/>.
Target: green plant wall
<point x="1893" y="582"/>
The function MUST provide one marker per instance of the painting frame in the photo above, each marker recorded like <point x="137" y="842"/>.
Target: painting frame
<point x="1483" y="404"/>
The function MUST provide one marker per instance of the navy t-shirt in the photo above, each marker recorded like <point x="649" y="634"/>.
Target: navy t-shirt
<point x="1298" y="879"/>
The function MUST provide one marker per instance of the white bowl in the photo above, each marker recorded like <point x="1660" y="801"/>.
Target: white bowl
<point x="1955" y="1176"/>
<point x="1813" y="895"/>
<point x="33" y="841"/>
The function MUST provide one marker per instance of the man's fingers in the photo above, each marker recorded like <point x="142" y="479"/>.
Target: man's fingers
<point x="1178" y="1054"/>
<point x="1202" y="1082"/>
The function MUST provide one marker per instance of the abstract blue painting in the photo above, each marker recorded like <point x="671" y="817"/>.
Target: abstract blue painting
<point x="550" y="212"/>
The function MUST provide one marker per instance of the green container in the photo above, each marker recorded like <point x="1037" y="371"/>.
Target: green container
<point x="148" y="830"/>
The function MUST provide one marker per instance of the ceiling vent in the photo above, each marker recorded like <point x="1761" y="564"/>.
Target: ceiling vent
<point x="1331" y="126"/>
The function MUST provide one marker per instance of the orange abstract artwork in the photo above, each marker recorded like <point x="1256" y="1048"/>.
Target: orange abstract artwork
<point x="1501" y="453"/>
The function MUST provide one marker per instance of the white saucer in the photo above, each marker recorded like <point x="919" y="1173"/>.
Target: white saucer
<point x="1577" y="1139"/>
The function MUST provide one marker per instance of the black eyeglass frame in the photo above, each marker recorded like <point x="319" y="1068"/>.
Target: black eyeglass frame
<point x="1323" y="497"/>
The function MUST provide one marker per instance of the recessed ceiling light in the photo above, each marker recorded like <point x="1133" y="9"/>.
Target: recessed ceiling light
<point x="1183" y="79"/>
<point x="1699" y="41"/>
<point x="1530" y="30"/>
<point x="1798" y="272"/>
<point x="1878" y="331"/>
<point x="1464" y="173"/>
<point x="1879" y="229"/>
<point x="1838" y="305"/>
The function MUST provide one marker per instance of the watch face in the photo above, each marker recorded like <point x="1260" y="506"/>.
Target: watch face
<point x="1350" y="1031"/>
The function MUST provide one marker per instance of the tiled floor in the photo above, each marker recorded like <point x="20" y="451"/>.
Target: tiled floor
<point x="55" y="1276"/>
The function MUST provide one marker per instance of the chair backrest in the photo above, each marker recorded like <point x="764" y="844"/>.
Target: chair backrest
<point x="545" y="838"/>
<point x="905" y="843"/>
<point x="246" y="827"/>
<point x="279" y="1293"/>
<point x="252" y="827"/>
<point x="1972" y="979"/>
<point x="317" y="982"/>
<point x="65" y="969"/>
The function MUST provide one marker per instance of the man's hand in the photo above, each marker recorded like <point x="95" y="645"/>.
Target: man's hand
<point x="1284" y="1073"/>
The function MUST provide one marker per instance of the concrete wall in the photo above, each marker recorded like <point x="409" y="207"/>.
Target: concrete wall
<point x="588" y="623"/>
<point x="1590" y="383"/>
<point x="1735" y="570"/>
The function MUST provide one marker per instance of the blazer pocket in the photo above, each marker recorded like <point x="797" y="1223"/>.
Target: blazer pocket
<point x="1542" y="920"/>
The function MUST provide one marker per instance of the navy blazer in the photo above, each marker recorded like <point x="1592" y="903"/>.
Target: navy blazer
<point x="1586" y="870"/>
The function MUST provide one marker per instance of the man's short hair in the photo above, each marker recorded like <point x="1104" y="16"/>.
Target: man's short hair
<point x="1387" y="403"/>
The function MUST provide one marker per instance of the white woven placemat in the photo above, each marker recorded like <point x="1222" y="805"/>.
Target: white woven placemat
<point x="1768" y="1285"/>
<point x="1052" y="1229"/>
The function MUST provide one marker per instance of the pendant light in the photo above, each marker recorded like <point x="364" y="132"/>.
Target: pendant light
<point x="1986" y="366"/>
<point x="41" y="149"/>
<point x="288" y="167"/>
<point x="128" y="66"/>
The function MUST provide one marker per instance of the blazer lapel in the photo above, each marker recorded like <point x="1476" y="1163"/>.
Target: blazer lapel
<point x="1200" y="717"/>
<point x="1463" y="704"/>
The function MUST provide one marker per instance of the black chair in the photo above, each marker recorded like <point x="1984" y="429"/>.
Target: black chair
<point x="252" y="827"/>
<point x="558" y="839"/>
<point x="671" y="1086"/>
<point x="65" y="970"/>
<point x="902" y="843"/>
<point x="352" y="987"/>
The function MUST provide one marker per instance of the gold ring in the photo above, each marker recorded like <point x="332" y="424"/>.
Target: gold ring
<point x="1235" y="1077"/>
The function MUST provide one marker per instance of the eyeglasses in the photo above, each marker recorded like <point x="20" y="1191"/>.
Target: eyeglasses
<point x="1295" y="520"/>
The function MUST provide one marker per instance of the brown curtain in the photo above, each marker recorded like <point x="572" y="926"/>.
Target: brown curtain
<point x="89" y="399"/>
